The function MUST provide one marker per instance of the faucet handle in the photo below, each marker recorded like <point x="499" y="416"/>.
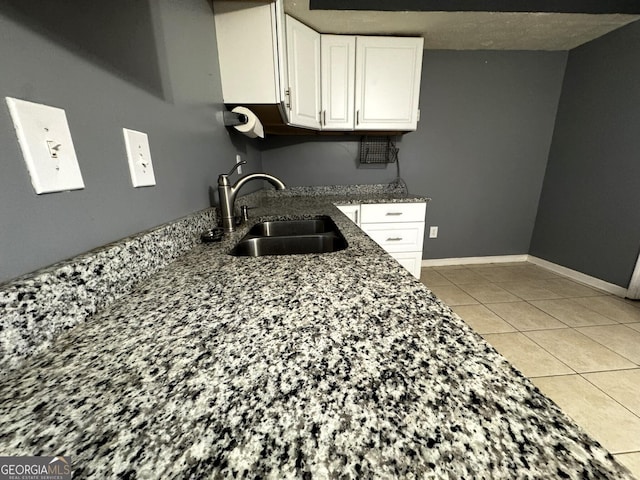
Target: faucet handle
<point x="241" y="162"/>
<point x="244" y="213"/>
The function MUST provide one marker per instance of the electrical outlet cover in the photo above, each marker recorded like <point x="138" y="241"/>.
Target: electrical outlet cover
<point x="48" y="151"/>
<point x="139" y="155"/>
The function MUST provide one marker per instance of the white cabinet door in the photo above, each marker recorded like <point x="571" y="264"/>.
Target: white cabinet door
<point x="388" y="71"/>
<point x="252" y="68"/>
<point x="338" y="56"/>
<point x="351" y="211"/>
<point x="303" y="55"/>
<point x="280" y="40"/>
<point x="412" y="261"/>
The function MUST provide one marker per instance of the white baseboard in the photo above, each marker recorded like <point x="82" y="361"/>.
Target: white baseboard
<point x="567" y="272"/>
<point x="441" y="262"/>
<point x="580" y="277"/>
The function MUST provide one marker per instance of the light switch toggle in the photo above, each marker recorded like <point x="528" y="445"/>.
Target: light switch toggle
<point x="143" y="163"/>
<point x="54" y="147"/>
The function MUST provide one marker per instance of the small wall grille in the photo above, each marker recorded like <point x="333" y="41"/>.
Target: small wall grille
<point x="378" y="150"/>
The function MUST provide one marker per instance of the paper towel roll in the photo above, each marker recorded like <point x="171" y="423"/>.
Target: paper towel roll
<point x="253" y="128"/>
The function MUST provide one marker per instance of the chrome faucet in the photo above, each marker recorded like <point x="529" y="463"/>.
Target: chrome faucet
<point x="227" y="193"/>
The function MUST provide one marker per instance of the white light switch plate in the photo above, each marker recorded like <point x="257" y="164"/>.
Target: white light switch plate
<point x="139" y="155"/>
<point x="47" y="148"/>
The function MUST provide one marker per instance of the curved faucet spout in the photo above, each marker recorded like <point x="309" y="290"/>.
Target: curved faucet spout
<point x="228" y="193"/>
<point x="276" y="182"/>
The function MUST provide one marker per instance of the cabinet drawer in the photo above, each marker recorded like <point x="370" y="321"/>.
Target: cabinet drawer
<point x="396" y="237"/>
<point x="392" y="212"/>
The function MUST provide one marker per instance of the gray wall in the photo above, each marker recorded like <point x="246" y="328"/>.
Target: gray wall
<point x="589" y="214"/>
<point x="133" y="68"/>
<point x="480" y="150"/>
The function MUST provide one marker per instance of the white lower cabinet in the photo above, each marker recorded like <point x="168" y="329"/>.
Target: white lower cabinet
<point x="351" y="211"/>
<point x="409" y="260"/>
<point x="396" y="227"/>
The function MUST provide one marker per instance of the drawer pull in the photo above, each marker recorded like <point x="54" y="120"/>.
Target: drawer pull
<point x="394" y="239"/>
<point x="389" y="214"/>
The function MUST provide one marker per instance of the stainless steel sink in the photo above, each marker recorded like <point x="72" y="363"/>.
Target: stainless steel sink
<point x="291" y="237"/>
<point x="279" y="228"/>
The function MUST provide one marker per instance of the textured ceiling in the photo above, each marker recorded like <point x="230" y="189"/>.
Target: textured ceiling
<point x="467" y="30"/>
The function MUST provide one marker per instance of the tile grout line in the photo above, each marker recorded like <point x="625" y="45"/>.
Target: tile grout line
<point x="543" y="329"/>
<point x="580" y="333"/>
<point x="603" y="345"/>
<point x="533" y="330"/>
<point x="566" y="326"/>
<point x="616" y="401"/>
<point x="571" y="326"/>
<point x="528" y="301"/>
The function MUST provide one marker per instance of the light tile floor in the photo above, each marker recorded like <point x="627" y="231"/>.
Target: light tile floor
<point x="580" y="346"/>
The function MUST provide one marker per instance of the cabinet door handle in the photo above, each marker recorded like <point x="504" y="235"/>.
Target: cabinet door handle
<point x="357" y="117"/>
<point x="393" y="214"/>
<point x="356" y="216"/>
<point x="394" y="239"/>
<point x="287" y="94"/>
<point x="324" y="118"/>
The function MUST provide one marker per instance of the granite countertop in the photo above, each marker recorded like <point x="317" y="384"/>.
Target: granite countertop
<point x="339" y="365"/>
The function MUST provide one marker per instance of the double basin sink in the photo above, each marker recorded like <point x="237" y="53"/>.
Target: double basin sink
<point x="291" y="237"/>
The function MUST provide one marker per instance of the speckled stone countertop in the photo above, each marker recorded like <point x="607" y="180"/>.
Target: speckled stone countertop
<point x="339" y="365"/>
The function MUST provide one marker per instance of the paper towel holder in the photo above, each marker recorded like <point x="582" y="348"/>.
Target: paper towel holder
<point x="231" y="119"/>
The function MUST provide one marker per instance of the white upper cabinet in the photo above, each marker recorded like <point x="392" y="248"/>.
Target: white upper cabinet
<point x="251" y="51"/>
<point x="388" y="71"/>
<point x="303" y="55"/>
<point x="370" y="83"/>
<point x="319" y="82"/>
<point x="338" y="81"/>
